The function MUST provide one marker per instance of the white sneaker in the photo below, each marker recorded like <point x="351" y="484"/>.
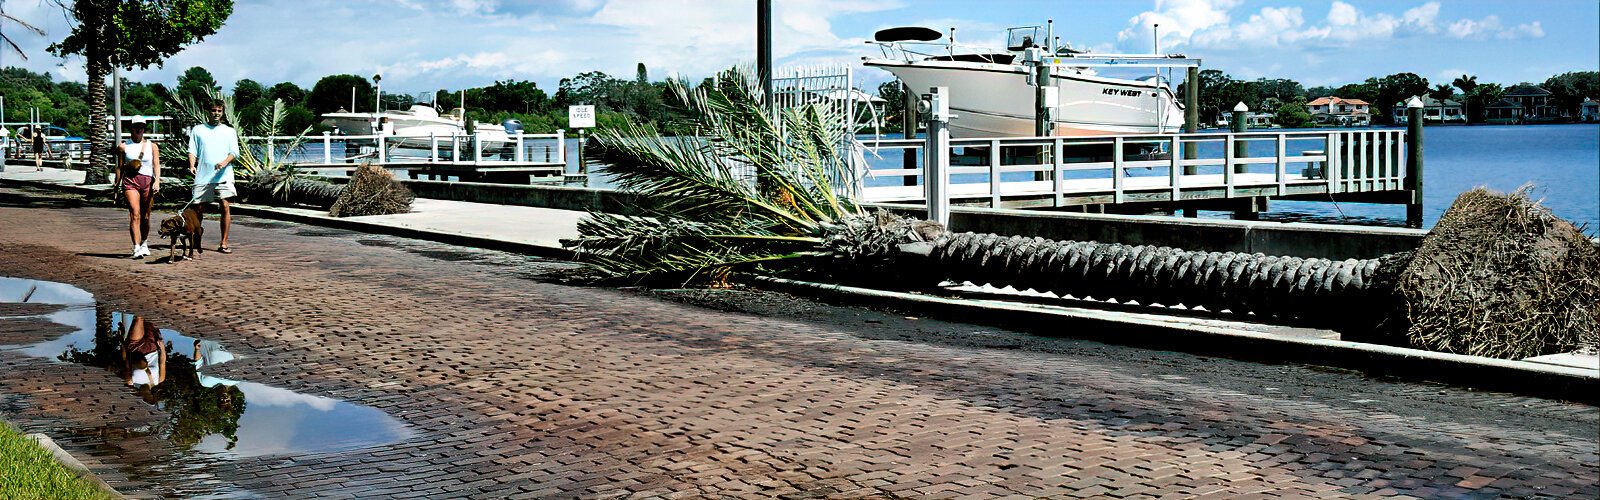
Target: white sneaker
<point x="138" y="252"/>
<point x="144" y="250"/>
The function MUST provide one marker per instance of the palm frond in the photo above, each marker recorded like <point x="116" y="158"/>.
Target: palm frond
<point x="750" y="187"/>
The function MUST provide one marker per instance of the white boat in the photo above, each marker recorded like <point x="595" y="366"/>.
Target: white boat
<point x="992" y="95"/>
<point x="411" y="130"/>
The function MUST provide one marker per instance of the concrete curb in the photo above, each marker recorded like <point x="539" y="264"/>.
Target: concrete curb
<point x="72" y="463"/>
<point x="1522" y="377"/>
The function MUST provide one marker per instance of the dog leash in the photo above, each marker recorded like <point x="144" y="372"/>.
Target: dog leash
<point x="191" y="201"/>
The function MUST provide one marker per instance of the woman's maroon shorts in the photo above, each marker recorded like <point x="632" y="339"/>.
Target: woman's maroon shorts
<point x="140" y="183"/>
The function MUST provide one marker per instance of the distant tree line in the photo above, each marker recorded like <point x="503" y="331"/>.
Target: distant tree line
<point x="616" y="100"/>
<point x="1287" y="99"/>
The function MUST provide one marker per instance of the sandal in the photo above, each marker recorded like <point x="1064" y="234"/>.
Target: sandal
<point x="224" y="250"/>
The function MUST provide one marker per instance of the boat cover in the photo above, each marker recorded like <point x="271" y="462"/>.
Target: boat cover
<point x="906" y="33"/>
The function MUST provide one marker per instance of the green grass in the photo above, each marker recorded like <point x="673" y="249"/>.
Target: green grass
<point x="28" y="471"/>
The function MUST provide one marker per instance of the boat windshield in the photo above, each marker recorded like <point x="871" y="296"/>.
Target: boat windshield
<point x="1021" y="38"/>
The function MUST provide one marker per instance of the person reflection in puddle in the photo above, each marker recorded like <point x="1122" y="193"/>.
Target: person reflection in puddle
<point x="144" y="354"/>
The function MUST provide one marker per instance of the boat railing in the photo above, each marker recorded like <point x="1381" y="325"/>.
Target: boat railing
<point x="900" y="50"/>
<point x="1066" y="171"/>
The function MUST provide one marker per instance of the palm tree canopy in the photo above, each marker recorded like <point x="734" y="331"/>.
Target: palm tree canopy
<point x="749" y="187"/>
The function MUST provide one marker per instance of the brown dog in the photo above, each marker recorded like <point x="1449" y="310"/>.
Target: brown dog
<point x="183" y="227"/>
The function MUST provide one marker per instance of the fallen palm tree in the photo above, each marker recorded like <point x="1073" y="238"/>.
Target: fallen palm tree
<point x="752" y="194"/>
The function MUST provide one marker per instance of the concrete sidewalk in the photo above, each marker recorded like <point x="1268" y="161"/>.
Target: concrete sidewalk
<point x="503" y="227"/>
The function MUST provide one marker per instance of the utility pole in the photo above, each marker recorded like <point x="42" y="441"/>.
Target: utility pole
<point x="764" y="50"/>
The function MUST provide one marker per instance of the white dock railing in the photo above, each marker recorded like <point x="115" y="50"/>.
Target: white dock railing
<point x="452" y="149"/>
<point x="1153" y="167"/>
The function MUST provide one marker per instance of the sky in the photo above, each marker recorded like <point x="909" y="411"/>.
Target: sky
<point x="423" y="45"/>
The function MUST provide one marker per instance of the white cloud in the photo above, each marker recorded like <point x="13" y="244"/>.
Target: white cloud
<point x="1482" y="29"/>
<point x="1211" y="24"/>
<point x="1178" y="20"/>
<point x="421" y="45"/>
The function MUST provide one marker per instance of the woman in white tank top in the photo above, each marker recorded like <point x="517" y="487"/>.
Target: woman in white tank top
<point x="139" y="184"/>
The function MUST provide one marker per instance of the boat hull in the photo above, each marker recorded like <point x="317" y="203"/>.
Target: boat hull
<point x="995" y="100"/>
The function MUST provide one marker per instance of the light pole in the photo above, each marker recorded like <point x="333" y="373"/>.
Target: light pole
<point x="378" y="108"/>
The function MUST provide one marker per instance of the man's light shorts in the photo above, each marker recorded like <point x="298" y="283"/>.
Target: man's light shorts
<point x="214" y="192"/>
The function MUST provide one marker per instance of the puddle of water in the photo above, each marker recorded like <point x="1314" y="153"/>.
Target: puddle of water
<point x="207" y="414"/>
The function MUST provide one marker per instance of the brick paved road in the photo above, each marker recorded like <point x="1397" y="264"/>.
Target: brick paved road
<point x="518" y="386"/>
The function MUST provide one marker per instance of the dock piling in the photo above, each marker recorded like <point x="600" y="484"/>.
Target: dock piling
<point x="909" y="123"/>
<point x="1413" y="181"/>
<point x="1191" y="116"/>
<point x="1241" y="124"/>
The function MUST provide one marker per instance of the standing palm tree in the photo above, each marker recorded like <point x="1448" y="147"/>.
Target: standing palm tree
<point x="1466" y="84"/>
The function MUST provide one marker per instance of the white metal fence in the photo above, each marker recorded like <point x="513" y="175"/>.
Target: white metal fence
<point x="833" y="89"/>
<point x="1152" y="165"/>
<point x="451" y="149"/>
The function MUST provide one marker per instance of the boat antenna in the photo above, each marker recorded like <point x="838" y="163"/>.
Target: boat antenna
<point x="952" y="47"/>
<point x="1155" y="39"/>
<point x="1155" y="43"/>
<point x="1050" y="33"/>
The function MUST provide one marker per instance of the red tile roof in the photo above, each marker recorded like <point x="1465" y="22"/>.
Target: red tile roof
<point x="1320" y="101"/>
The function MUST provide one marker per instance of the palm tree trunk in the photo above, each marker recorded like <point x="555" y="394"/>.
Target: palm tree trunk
<point x="1317" y="290"/>
<point x="318" y="193"/>
<point x="99" y="141"/>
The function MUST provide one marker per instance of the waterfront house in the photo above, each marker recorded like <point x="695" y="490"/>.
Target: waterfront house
<point x="1259" y="119"/>
<point x="1433" y="111"/>
<point x="1536" y="103"/>
<point x="1589" y="111"/>
<point x="1341" y="112"/>
<point x="1504" y="111"/>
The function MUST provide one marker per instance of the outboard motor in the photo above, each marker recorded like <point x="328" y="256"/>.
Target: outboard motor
<point x="513" y="126"/>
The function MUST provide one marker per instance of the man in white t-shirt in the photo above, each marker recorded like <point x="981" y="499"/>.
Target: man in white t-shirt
<point x="212" y="148"/>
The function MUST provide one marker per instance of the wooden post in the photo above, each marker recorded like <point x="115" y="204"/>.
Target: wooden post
<point x="1414" y="163"/>
<point x="583" y="134"/>
<point x="1191" y="116"/>
<point x="1041" y="107"/>
<point x="909" y="131"/>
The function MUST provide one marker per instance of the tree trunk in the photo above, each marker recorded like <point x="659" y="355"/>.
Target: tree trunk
<point x="318" y="193"/>
<point x="99" y="141"/>
<point x="1319" y="290"/>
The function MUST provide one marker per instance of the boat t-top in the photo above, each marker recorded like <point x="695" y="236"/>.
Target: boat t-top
<point x="992" y="93"/>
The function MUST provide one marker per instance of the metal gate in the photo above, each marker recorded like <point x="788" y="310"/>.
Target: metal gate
<point x="832" y="88"/>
